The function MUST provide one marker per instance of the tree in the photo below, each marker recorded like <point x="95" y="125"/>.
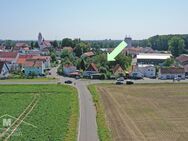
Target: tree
<point x="53" y="56"/>
<point x="55" y="44"/>
<point x="36" y="45"/>
<point x="65" y="54"/>
<point x="67" y="42"/>
<point x="32" y="44"/>
<point x="81" y="48"/>
<point x="176" y="46"/>
<point x="123" y="60"/>
<point x="169" y="62"/>
<point x="83" y="65"/>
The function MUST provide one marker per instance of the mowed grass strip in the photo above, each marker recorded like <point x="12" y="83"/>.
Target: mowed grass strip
<point x="55" y="115"/>
<point x="103" y="130"/>
<point x="149" y="112"/>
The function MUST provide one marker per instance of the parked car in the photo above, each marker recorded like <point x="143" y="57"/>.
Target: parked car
<point x="77" y="77"/>
<point x="119" y="83"/>
<point x="68" y="82"/>
<point x="129" y="82"/>
<point x="120" y="79"/>
<point x="136" y="75"/>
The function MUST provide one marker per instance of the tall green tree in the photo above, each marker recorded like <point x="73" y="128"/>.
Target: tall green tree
<point x="176" y="46"/>
<point x="55" y="44"/>
<point x="66" y="42"/>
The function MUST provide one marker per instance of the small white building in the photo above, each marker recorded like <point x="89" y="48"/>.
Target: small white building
<point x="171" y="73"/>
<point x="147" y="70"/>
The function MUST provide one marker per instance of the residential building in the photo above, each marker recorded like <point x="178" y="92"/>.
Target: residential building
<point x="69" y="70"/>
<point x="21" y="47"/>
<point x="45" y="59"/>
<point x="4" y="70"/>
<point x="92" y="69"/>
<point x="183" y="61"/>
<point x="33" y="67"/>
<point x="10" y="58"/>
<point x="147" y="70"/>
<point x="171" y="73"/>
<point x="117" y="70"/>
<point x="22" y="59"/>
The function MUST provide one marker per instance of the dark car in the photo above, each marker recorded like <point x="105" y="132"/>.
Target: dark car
<point x="68" y="82"/>
<point x="129" y="82"/>
<point x="119" y="83"/>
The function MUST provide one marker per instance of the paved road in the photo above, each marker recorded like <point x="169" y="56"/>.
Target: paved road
<point x="87" y="123"/>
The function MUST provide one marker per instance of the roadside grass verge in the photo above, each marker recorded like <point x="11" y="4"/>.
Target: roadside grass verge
<point x="49" y="79"/>
<point x="73" y="120"/>
<point x="103" y="130"/>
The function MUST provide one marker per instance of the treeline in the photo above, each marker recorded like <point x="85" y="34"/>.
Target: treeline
<point x="98" y="44"/>
<point x="160" y="42"/>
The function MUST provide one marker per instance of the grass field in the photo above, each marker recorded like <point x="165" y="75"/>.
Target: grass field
<point x="145" y="112"/>
<point x="43" y="112"/>
<point x="31" y="80"/>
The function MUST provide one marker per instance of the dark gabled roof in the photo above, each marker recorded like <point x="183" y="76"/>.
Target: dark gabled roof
<point x="2" y="63"/>
<point x="92" y="67"/>
<point x="182" y="58"/>
<point x="116" y="68"/>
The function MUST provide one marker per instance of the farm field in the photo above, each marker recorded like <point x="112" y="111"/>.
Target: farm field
<point x="38" y="112"/>
<point x="145" y="112"/>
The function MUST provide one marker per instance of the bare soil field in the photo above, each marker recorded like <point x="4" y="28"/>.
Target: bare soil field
<point x="146" y="112"/>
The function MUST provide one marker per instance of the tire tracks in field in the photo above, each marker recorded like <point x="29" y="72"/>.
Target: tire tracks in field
<point x="123" y="117"/>
<point x="5" y="135"/>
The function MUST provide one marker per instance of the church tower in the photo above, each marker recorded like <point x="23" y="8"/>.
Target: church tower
<point x="40" y="41"/>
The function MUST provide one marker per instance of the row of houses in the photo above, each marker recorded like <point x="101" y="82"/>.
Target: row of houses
<point x="27" y="63"/>
<point x="146" y="64"/>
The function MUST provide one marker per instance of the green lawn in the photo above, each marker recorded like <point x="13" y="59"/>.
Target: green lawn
<point x="55" y="114"/>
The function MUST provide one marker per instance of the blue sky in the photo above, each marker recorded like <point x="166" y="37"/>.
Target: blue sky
<point x="92" y="19"/>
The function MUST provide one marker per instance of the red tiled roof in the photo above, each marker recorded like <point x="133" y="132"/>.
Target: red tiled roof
<point x="68" y="66"/>
<point x="8" y="55"/>
<point x="182" y="58"/>
<point x="33" y="64"/>
<point x="22" y="58"/>
<point x="46" y="43"/>
<point x="22" y="45"/>
<point x="172" y="70"/>
<point x="88" y="54"/>
<point x="43" y="58"/>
